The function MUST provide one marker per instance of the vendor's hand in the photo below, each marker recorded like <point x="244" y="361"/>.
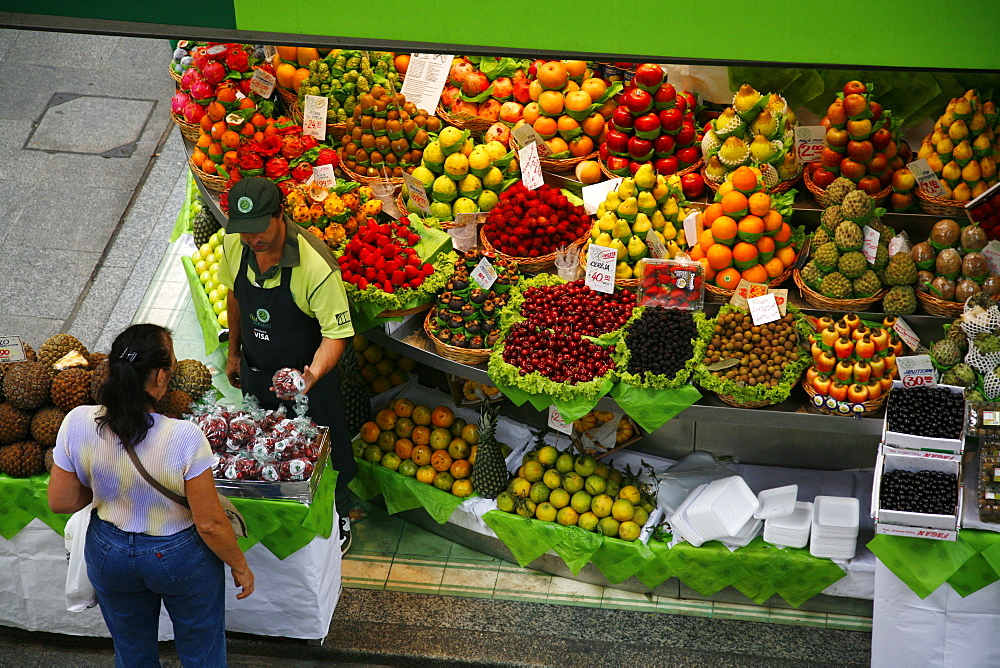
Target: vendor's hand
<point x="309" y="377"/>
<point x="243" y="578"/>
<point x="233" y="370"/>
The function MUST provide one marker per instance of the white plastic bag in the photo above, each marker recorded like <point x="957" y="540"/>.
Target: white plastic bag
<point x="79" y="592"/>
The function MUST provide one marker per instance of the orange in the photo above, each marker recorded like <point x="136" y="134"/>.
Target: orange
<point x="725" y="187"/>
<point x="306" y="54"/>
<point x="219" y="128"/>
<point x="552" y="75"/>
<point x="786" y="255"/>
<point x="774" y="267"/>
<point x="588" y="171"/>
<point x="531" y="113"/>
<point x="557" y="145"/>
<point x="462" y="488"/>
<point x="705" y="239"/>
<point x="226" y="93"/>
<point x="724" y="230"/>
<point x="300" y="75"/>
<point x="230" y="139"/>
<point x="578" y="101"/>
<point x="206" y="123"/>
<point x="551" y="102"/>
<point x="772" y="221"/>
<point x="734" y="202"/>
<point x="287" y="52"/>
<point x="460" y="468"/>
<point x="728" y="279"/>
<point x="750" y="229"/>
<point x="756" y="274"/>
<point x="712" y="211"/>
<point x="285" y="73"/>
<point x="247" y="103"/>
<point x="581" y="146"/>
<point x="535" y="90"/>
<point x="571" y="87"/>
<point x="208" y="167"/>
<point x="765" y="246"/>
<point x="545" y="126"/>
<point x="575" y="68"/>
<point x="759" y="203"/>
<point x="441" y="460"/>
<point x="594" y="125"/>
<point x="566" y="124"/>
<point x="719" y="256"/>
<point x="401" y="62"/>
<point x="421" y="455"/>
<point x="744" y="179"/>
<point x="784" y="235"/>
<point x="215" y="110"/>
<point x="744" y="255"/>
<point x="697" y="252"/>
<point x="197" y="158"/>
<point x="404" y="448"/>
<point x="426" y="474"/>
<point x="609" y="108"/>
<point x="594" y="87"/>
<point x="709" y="272"/>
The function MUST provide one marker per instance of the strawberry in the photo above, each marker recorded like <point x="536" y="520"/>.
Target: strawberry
<point x="410" y="272"/>
<point x="417" y="282"/>
<point x="391" y="266"/>
<point x="381" y="277"/>
<point x="380" y="263"/>
<point x="362" y="284"/>
<point x="427" y="269"/>
<point x="398" y="277"/>
<point x="387" y="286"/>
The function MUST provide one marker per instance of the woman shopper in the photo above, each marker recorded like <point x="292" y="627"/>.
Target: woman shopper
<point x="141" y="546"/>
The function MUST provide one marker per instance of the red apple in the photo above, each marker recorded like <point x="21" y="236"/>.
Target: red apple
<point x="640" y="149"/>
<point x="836" y="114"/>
<point x="503" y="88"/>
<point x="666" y="166"/>
<point x="885" y="179"/>
<point x="617" y="142"/>
<point x="533" y="68"/>
<point x="671" y="120"/>
<point x="664" y="97"/>
<point x="689" y="117"/>
<point x="870" y="184"/>
<point x="859" y="129"/>
<point x="901" y="201"/>
<point x="830" y="159"/>
<point x="856" y="106"/>
<point x="687" y="156"/>
<point x="881" y="138"/>
<point x="686" y="135"/>
<point x="903" y="181"/>
<point x="825" y="122"/>
<point x="603" y="153"/>
<point x="634" y="166"/>
<point x="905" y="152"/>
<point x="623" y="120"/>
<point x="860" y="151"/>
<point x="663" y="146"/>
<point x="822" y="177"/>
<point x="648" y="77"/>
<point x="681" y="103"/>
<point x="896" y="163"/>
<point x="693" y="185"/>
<point x="851" y="169"/>
<point x="854" y="87"/>
<point x="618" y="165"/>
<point x="878" y="164"/>
<point x="836" y="138"/>
<point x="692" y="101"/>
<point x="638" y="101"/>
<point x="891" y="150"/>
<point x="876" y="110"/>
<point x="647" y="126"/>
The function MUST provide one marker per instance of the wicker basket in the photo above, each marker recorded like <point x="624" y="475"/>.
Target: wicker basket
<point x="400" y="204"/>
<point x="717" y="295"/>
<point x="819" y="194"/>
<point x="454" y="353"/>
<point x="817" y="300"/>
<point x="474" y="124"/>
<point x="289" y="97"/>
<point x="736" y="403"/>
<point x="938" y="206"/>
<point x="174" y="75"/>
<point x="190" y="131"/>
<point x="529" y="265"/>
<point x="558" y="166"/>
<point x="680" y="172"/>
<point x="782" y="187"/>
<point x="211" y="181"/>
<point x="940" y="307"/>
<point x="870" y="406"/>
<point x="402" y="313"/>
<point x="395" y="181"/>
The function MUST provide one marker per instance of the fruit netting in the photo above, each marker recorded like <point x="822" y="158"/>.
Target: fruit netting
<point x="976" y="321"/>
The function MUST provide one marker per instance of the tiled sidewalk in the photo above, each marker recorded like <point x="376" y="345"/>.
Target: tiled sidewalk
<point x="391" y="554"/>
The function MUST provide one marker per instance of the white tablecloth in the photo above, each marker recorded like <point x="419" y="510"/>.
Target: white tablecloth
<point x="294" y="597"/>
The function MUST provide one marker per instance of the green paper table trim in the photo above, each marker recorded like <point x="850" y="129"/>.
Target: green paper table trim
<point x="657" y="569"/>
<point x="25" y="499"/>
<point x="403" y="493"/>
<point x="792" y="573"/>
<point x="619" y="560"/>
<point x="207" y="319"/>
<point x="529" y="539"/>
<point x="185" y="217"/>
<point x="652" y="408"/>
<point x="706" y="569"/>
<point x="923" y="565"/>
<point x="772" y="395"/>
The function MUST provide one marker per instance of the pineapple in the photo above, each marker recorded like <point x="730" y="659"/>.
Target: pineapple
<point x="204" y="226"/>
<point x="357" y="395"/>
<point x="489" y="473"/>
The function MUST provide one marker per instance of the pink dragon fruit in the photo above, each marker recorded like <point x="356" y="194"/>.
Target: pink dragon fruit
<point x="178" y="102"/>
<point x="190" y="76"/>
<point x="202" y="90"/>
<point x="193" y="112"/>
<point x="214" y="72"/>
<point x="238" y="61"/>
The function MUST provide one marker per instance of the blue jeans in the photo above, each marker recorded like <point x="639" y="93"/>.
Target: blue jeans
<point x="133" y="572"/>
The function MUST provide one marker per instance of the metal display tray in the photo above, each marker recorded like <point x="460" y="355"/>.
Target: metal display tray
<point x="302" y="491"/>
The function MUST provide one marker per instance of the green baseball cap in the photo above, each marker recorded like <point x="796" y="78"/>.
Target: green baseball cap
<point x="252" y="202"/>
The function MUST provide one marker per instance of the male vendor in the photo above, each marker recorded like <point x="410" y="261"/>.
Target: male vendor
<point x="287" y="308"/>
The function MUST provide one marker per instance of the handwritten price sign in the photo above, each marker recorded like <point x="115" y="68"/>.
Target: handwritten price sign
<point x="763" y="309"/>
<point x="262" y="83"/>
<point x="417" y="193"/>
<point x="870" y="245"/>
<point x="314" y="117"/>
<point x="601" y="262"/>
<point x="484" y="274"/>
<point x="746" y="290"/>
<point x="531" y="167"/>
<point x="916" y="371"/>
<point x="11" y="349"/>
<point x="927" y="180"/>
<point x="809" y="142"/>
<point x="323" y="176"/>
<point x="557" y="422"/>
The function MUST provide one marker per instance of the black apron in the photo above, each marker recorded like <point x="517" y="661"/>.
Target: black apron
<point x="275" y="333"/>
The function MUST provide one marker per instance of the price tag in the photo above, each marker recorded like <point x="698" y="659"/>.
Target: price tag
<point x="596" y="193"/>
<point x="763" y="309"/>
<point x="809" y="142"/>
<point x="991" y="418"/>
<point x="314" y="117"/>
<point x="927" y="180"/>
<point x="781" y="297"/>
<point x="745" y="290"/>
<point x="992" y="254"/>
<point x="870" y="245"/>
<point x="425" y="78"/>
<point x="463" y="219"/>
<point x="556" y="421"/>
<point x="531" y="167"/>
<point x="691" y="231"/>
<point x="655" y="246"/>
<point x="601" y="263"/>
<point x="526" y="135"/>
<point x="916" y="371"/>
<point x="906" y="333"/>
<point x="484" y="274"/>
<point x="417" y="193"/>
<point x="323" y="176"/>
<point x="11" y="349"/>
<point x="262" y="83"/>
<point x="900" y="242"/>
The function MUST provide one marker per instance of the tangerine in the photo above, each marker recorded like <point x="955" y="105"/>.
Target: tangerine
<point x="786" y="255"/>
<point x="594" y="87"/>
<point x="581" y="146"/>
<point x="594" y="125"/>
<point x="774" y="267"/>
<point x="784" y="235"/>
<point x="744" y="179"/>
<point x="734" y="203"/>
<point x="705" y="239"/>
<point x="728" y="279"/>
<point x="421" y="455"/>
<point x="697" y="253"/>
<point x="712" y="211"/>
<point x="575" y="68"/>
<point x="305" y="55"/>
<point x="772" y="221"/>
<point x="531" y="113"/>
<point x="285" y="74"/>
<point x="288" y="52"/>
<point x="545" y="126"/>
<point x="578" y="101"/>
<point x="759" y="203"/>
<point x="756" y="274"/>
<point x="724" y="230"/>
<point x="426" y="474"/>
<point x="608" y="109"/>
<point x="567" y="124"/>
<point x="460" y="468"/>
<point x="744" y="255"/>
<point x="750" y="229"/>
<point x="404" y="448"/>
<point x="724" y="188"/>
<point x="765" y="246"/>
<point x="441" y="460"/>
<point x="709" y="272"/>
<point x="462" y="488"/>
<point x="401" y="63"/>
<point x="552" y="75"/>
<point x="571" y="87"/>
<point x="719" y="256"/>
<point x="300" y="75"/>
<point x="557" y="145"/>
<point x="551" y="102"/>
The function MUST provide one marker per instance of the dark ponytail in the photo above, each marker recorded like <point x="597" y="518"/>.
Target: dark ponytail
<point x="135" y="356"/>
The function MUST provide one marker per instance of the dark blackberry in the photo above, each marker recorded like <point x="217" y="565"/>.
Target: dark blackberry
<point x="926" y="411"/>
<point x="660" y="341"/>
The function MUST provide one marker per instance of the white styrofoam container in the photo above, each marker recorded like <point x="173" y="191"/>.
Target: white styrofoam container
<point x="898" y="522"/>
<point x="911" y="442"/>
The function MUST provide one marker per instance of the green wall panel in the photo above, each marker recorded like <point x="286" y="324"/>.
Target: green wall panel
<point x="209" y="13"/>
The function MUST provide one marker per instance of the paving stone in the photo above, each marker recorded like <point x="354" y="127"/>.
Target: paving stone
<point x="86" y="224"/>
<point x="31" y="329"/>
<point x="57" y="49"/>
<point x="99" y="305"/>
<point x="44" y="281"/>
<point x="91" y="124"/>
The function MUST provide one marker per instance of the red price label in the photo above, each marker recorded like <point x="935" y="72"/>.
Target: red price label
<point x="918" y="381"/>
<point x="809" y="142"/>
